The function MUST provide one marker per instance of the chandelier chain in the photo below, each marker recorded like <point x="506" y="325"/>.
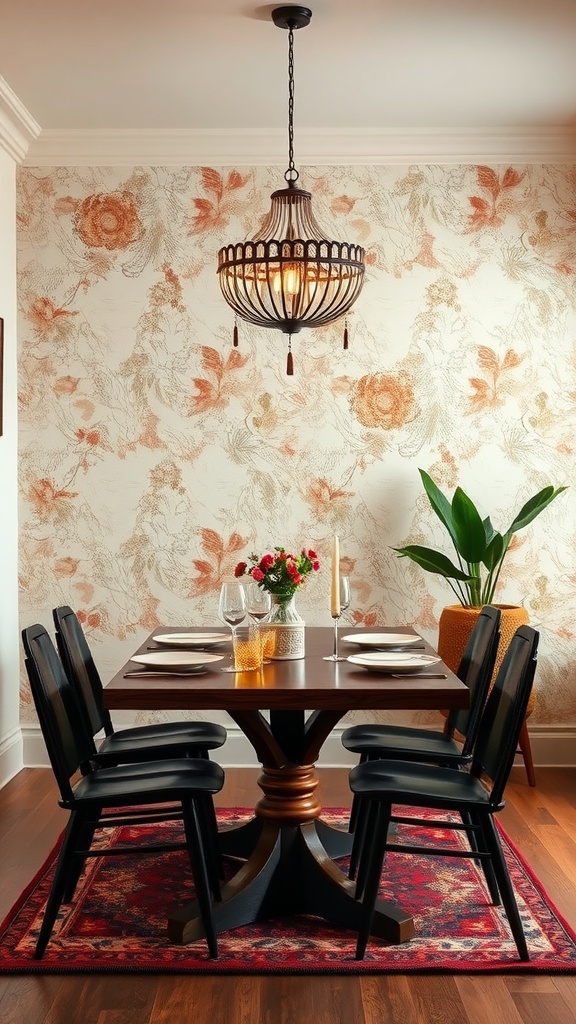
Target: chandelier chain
<point x="291" y="174"/>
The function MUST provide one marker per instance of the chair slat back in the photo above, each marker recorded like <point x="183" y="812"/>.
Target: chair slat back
<point x="505" y="710"/>
<point x="62" y="729"/>
<point x="80" y="669"/>
<point x="475" y="669"/>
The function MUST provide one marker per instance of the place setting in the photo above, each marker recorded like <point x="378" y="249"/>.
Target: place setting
<point x="194" y="653"/>
<point x="398" y="664"/>
<point x="171" y="663"/>
<point x="395" y="654"/>
<point x="189" y="640"/>
<point x="386" y="641"/>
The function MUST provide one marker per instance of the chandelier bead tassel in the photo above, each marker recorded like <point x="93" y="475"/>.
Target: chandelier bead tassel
<point x="291" y="275"/>
<point x="289" y="360"/>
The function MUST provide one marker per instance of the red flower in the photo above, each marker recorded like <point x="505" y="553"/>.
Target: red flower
<point x="293" y="571"/>
<point x="257" y="574"/>
<point x="265" y="562"/>
<point x="240" y="569"/>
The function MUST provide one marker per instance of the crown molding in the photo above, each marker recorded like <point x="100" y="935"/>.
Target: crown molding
<point x="18" y="129"/>
<point x="260" y="147"/>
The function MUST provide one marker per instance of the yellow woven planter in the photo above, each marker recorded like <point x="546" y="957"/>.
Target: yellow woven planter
<point x="456" y="624"/>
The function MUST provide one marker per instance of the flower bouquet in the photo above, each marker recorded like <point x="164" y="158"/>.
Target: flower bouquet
<point x="281" y="573"/>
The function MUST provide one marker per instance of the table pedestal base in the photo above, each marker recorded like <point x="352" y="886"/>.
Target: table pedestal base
<point x="290" y="872"/>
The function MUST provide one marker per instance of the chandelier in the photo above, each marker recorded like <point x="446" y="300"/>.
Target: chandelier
<point x="290" y="275"/>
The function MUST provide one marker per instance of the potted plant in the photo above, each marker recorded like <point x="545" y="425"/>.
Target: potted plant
<point x="480" y="551"/>
<point x="480" y="548"/>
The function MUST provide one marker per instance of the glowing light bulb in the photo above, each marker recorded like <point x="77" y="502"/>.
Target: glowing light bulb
<point x="291" y="280"/>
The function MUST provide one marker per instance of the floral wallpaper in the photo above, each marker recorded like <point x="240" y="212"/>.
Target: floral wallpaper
<point x="154" y="455"/>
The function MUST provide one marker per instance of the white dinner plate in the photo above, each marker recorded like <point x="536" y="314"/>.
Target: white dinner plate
<point x="191" y="639"/>
<point x="151" y="673"/>
<point x="382" y="639"/>
<point x="175" y="659"/>
<point x="382" y="662"/>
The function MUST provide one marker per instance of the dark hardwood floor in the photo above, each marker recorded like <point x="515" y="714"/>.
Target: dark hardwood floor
<point x="541" y="821"/>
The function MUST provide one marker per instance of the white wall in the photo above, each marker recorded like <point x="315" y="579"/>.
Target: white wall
<point x="10" y="735"/>
<point x="17" y="129"/>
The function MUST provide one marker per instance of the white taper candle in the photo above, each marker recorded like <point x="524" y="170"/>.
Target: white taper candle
<point x="335" y="582"/>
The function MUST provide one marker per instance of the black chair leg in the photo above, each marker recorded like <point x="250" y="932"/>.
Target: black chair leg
<point x="354" y="810"/>
<point x="209" y="830"/>
<point x="373" y="871"/>
<point x="358" y="833"/>
<point x="505" y="886"/>
<point x="474" y="830"/>
<point x="83" y="842"/>
<point x="365" y="828"/>
<point x="65" y="869"/>
<point x="194" y="839"/>
<point x="356" y="803"/>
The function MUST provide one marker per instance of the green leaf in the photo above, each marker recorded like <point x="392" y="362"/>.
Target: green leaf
<point x="439" y="503"/>
<point x="434" y="561"/>
<point x="489" y="529"/>
<point x="495" y="550"/>
<point x="534" y="507"/>
<point x="469" y="528"/>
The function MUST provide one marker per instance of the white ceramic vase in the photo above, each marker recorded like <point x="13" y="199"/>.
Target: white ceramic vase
<point x="289" y="629"/>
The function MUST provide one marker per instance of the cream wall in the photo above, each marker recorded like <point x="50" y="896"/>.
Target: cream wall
<point x="10" y="736"/>
<point x="153" y="456"/>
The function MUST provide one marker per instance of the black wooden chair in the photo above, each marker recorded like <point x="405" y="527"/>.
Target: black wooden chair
<point x="122" y="746"/>
<point x="187" y="783"/>
<point x="385" y="783"/>
<point x="372" y="741"/>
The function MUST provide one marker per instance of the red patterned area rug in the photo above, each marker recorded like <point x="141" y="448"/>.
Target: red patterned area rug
<point x="117" y="921"/>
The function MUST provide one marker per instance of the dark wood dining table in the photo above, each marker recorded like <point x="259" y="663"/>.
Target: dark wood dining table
<point x="288" y="853"/>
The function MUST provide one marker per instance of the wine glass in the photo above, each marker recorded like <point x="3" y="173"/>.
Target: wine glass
<point x="232" y="608"/>
<point x="344" y="586"/>
<point x="258" y="602"/>
<point x="258" y="605"/>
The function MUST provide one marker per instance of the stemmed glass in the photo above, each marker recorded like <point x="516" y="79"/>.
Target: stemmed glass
<point x="258" y="605"/>
<point x="258" y="602"/>
<point x="232" y="608"/>
<point x="344" y="602"/>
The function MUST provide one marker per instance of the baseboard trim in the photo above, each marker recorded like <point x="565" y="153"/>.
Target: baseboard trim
<point x="11" y="756"/>
<point x="552" y="747"/>
<point x="35" y="754"/>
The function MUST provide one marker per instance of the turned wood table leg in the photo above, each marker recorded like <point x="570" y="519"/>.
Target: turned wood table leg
<point x="289" y="794"/>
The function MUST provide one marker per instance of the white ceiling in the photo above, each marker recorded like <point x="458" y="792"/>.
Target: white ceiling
<point x="378" y="65"/>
